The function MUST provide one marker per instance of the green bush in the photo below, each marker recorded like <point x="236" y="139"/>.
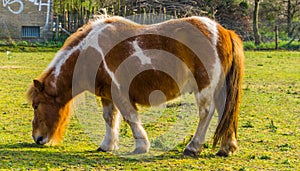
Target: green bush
<point x="282" y="45"/>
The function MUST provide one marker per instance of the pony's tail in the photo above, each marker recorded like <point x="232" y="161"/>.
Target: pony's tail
<point x="229" y="122"/>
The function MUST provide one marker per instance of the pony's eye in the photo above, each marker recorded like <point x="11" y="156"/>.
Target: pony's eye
<point x="35" y="107"/>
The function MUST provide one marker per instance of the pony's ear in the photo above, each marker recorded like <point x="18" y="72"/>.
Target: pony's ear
<point x="38" y="85"/>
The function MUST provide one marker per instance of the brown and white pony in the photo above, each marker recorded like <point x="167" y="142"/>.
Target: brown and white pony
<point x="124" y="63"/>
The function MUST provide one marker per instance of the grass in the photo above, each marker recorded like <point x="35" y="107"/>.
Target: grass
<point x="268" y="126"/>
<point x="269" y="45"/>
<point x="25" y="46"/>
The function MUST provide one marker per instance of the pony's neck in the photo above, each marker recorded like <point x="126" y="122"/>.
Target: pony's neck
<point x="61" y="78"/>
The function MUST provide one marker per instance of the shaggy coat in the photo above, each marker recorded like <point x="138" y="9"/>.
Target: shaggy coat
<point x="127" y="64"/>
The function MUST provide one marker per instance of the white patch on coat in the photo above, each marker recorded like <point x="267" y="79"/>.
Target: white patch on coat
<point x="211" y="27"/>
<point x="91" y="40"/>
<point x="58" y="61"/>
<point x="138" y="52"/>
<point x="217" y="68"/>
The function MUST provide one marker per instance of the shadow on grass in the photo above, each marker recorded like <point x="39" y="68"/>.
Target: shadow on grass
<point x="31" y="156"/>
<point x="21" y="145"/>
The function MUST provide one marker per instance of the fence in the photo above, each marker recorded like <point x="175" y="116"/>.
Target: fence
<point x="66" y="24"/>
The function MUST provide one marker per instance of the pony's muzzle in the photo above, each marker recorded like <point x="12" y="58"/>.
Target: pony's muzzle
<point x="40" y="140"/>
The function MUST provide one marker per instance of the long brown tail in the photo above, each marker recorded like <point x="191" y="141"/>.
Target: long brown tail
<point x="229" y="121"/>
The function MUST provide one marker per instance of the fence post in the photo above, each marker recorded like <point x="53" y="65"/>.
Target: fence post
<point x="276" y="37"/>
<point x="57" y="27"/>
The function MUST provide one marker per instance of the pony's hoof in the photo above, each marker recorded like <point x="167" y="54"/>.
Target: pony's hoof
<point x="140" y="151"/>
<point x="227" y="151"/>
<point x="188" y="152"/>
<point x="101" y="149"/>
<point x="222" y="153"/>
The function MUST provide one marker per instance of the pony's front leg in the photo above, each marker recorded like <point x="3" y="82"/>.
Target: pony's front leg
<point x="206" y="110"/>
<point x="129" y="112"/>
<point x="112" y="123"/>
<point x="142" y="144"/>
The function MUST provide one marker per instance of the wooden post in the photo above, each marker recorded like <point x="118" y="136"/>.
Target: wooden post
<point x="276" y="37"/>
<point x="257" y="37"/>
<point x="57" y="27"/>
<point x="125" y="10"/>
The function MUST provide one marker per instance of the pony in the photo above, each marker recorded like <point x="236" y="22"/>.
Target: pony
<point x="126" y="64"/>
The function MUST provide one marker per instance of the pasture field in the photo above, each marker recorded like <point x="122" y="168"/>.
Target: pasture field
<point x="268" y="135"/>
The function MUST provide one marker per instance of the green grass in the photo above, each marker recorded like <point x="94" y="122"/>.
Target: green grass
<point x="269" y="45"/>
<point x="268" y="133"/>
<point x="53" y="46"/>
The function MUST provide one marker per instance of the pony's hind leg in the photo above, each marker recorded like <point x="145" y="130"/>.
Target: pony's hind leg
<point x="228" y="144"/>
<point x="112" y="123"/>
<point x="206" y="110"/>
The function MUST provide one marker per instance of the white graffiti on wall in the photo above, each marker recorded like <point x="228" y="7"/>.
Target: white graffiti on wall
<point x="17" y="6"/>
<point x="9" y="3"/>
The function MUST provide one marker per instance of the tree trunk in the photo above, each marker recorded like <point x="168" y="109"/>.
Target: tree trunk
<point x="257" y="37"/>
<point x="276" y="37"/>
<point x="289" y="29"/>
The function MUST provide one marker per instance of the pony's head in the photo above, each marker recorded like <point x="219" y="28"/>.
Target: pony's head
<point x="50" y="114"/>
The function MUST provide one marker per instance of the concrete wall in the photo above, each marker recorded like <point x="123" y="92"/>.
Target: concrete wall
<point x="17" y="13"/>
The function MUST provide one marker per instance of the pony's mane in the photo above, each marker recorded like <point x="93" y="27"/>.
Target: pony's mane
<point x="83" y="31"/>
<point x="30" y="93"/>
<point x="32" y="90"/>
<point x="112" y="19"/>
<point x="99" y="17"/>
<point x="78" y="36"/>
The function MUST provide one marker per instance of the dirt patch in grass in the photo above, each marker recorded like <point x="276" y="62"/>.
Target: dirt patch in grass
<point x="11" y="67"/>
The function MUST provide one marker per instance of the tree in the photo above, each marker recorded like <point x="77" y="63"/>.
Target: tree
<point x="234" y="15"/>
<point x="292" y="12"/>
<point x="257" y="37"/>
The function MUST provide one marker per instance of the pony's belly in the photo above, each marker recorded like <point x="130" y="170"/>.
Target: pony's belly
<point x="151" y="88"/>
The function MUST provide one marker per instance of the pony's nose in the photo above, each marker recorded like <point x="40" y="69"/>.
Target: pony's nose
<point x="39" y="140"/>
